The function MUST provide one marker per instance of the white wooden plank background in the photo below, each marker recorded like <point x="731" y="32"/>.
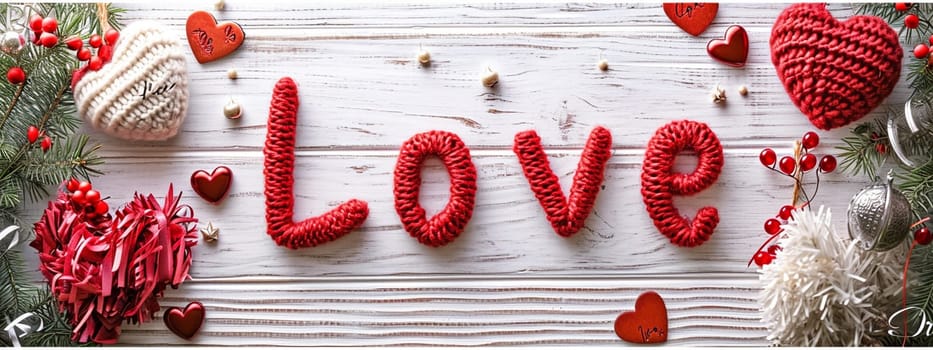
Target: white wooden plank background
<point x="508" y="280"/>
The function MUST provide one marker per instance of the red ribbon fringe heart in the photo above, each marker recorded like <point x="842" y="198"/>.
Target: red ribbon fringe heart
<point x="109" y="269"/>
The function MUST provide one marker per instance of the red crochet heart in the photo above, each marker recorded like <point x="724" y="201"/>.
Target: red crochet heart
<point x="835" y="72"/>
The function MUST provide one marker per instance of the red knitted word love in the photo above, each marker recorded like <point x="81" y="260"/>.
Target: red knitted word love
<point x="659" y="183"/>
<point x="279" y="172"/>
<point x="835" y="72"/>
<point x="447" y="224"/>
<point x="566" y="216"/>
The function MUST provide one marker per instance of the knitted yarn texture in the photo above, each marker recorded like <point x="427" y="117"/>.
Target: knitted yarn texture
<point x="279" y="168"/>
<point x="659" y="183"/>
<point x="447" y="224"/>
<point x="834" y="72"/>
<point x="142" y="93"/>
<point x="566" y="215"/>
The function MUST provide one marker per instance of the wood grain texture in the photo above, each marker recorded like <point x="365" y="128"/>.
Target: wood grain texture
<point x="509" y="279"/>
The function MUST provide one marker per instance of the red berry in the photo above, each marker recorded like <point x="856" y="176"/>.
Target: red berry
<point x="48" y="39"/>
<point x="810" y="140"/>
<point x="923" y="236"/>
<point x="49" y="25"/>
<point x="931" y="39"/>
<point x="786" y="212"/>
<point x="95" y="63"/>
<point x="32" y="134"/>
<point x="105" y="52"/>
<point x="84" y="54"/>
<point x="92" y="196"/>
<point x="767" y="157"/>
<point x="46" y="144"/>
<point x="807" y="162"/>
<point x="773" y="249"/>
<point x="912" y="21"/>
<point x="101" y="208"/>
<point x="787" y="165"/>
<point x="74" y="43"/>
<point x="921" y="50"/>
<point x="828" y="164"/>
<point x="72" y="185"/>
<point x="84" y="186"/>
<point x="35" y="37"/>
<point x="78" y="197"/>
<point x="762" y="258"/>
<point x="772" y="226"/>
<point x="902" y="6"/>
<point x="94" y="41"/>
<point x="35" y="23"/>
<point x="111" y="36"/>
<point x="15" y="75"/>
<point x="881" y="148"/>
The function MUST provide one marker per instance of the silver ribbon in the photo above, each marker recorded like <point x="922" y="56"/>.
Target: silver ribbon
<point x="9" y="239"/>
<point x="23" y="329"/>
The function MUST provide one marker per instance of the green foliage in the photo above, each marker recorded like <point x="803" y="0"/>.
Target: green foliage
<point x="28" y="173"/>
<point x="44" y="101"/>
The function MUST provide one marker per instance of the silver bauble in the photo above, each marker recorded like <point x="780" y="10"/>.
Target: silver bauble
<point x="11" y="43"/>
<point x="879" y="216"/>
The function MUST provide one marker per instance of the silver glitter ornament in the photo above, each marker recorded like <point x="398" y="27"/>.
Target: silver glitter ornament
<point x="879" y="216"/>
<point x="232" y="110"/>
<point x="11" y="43"/>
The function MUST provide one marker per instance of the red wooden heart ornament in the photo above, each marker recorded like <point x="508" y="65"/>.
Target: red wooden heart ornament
<point x="732" y="49"/>
<point x="647" y="324"/>
<point x="692" y="17"/>
<point x="210" y="40"/>
<point x="212" y="187"/>
<point x="185" y="323"/>
<point x="834" y="72"/>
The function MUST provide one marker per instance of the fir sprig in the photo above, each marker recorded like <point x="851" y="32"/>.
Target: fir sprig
<point x="26" y="171"/>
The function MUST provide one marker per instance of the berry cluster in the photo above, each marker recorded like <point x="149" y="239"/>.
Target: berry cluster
<point x="33" y="134"/>
<point x="43" y="30"/>
<point x="84" y="197"/>
<point x="103" y="45"/>
<point x="795" y="168"/>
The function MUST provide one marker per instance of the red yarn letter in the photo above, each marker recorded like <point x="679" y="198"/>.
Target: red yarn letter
<point x="279" y="168"/>
<point x="659" y="183"/>
<point x="566" y="217"/>
<point x="447" y="224"/>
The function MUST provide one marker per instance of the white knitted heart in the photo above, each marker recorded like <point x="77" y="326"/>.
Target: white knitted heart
<point x="142" y="93"/>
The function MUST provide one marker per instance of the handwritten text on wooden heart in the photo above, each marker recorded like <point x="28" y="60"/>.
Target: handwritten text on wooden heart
<point x="210" y="40"/>
<point x="692" y="17"/>
<point x="647" y="324"/>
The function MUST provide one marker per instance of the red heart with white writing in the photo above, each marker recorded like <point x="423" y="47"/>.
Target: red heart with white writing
<point x="692" y="17"/>
<point x="647" y="324"/>
<point x="210" y="40"/>
<point x="732" y="49"/>
<point x="185" y="323"/>
<point x="214" y="186"/>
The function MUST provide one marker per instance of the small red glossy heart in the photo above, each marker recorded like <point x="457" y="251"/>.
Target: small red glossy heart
<point x="185" y="323"/>
<point x="214" y="186"/>
<point x="210" y="40"/>
<point x="647" y="324"/>
<point x="692" y="17"/>
<point x="732" y="49"/>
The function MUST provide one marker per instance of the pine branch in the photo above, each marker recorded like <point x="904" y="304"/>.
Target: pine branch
<point x="860" y="154"/>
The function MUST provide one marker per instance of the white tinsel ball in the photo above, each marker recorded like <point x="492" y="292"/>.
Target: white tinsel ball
<point x="822" y="290"/>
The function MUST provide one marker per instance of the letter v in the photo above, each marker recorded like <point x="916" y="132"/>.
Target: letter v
<point x="279" y="169"/>
<point x="566" y="216"/>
